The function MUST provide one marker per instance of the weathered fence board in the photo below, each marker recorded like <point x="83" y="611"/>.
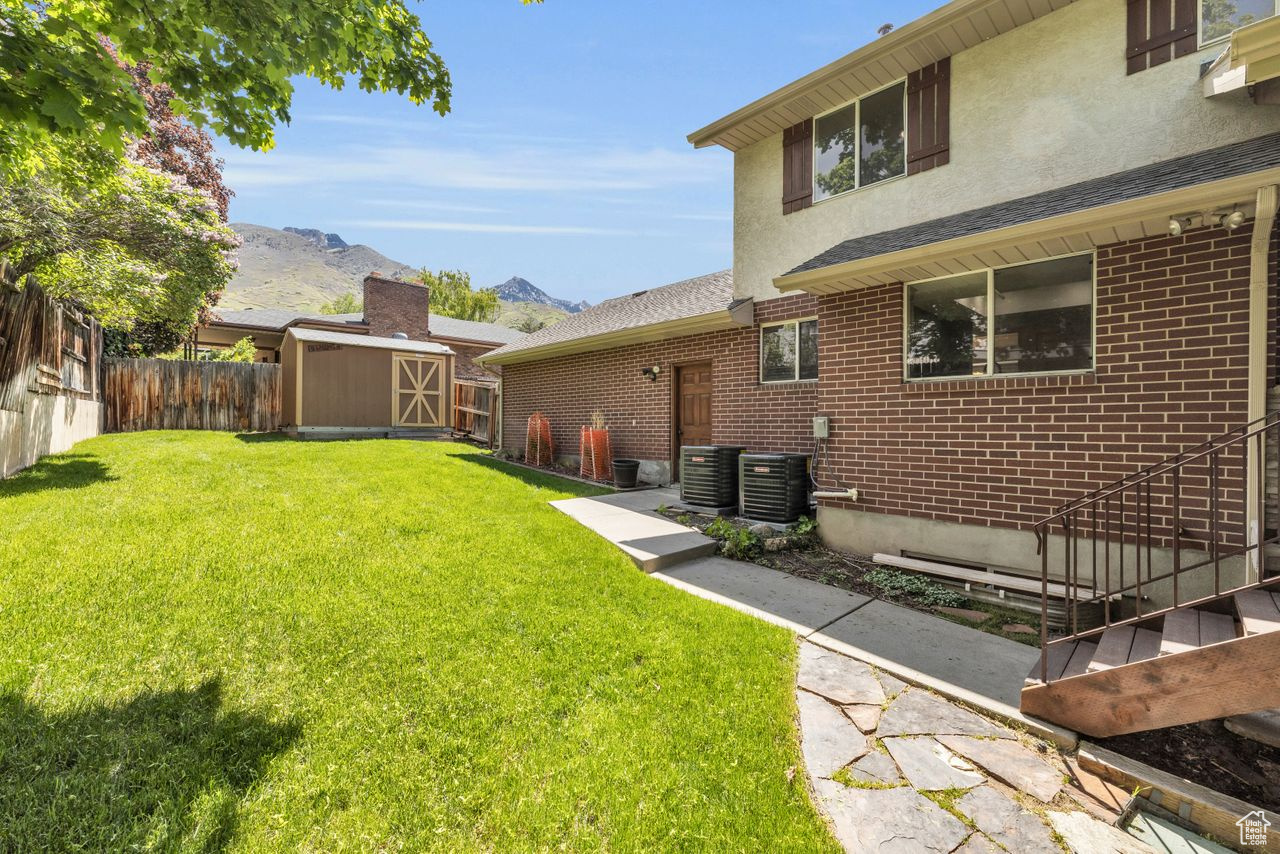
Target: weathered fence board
<point x="159" y="394"/>
<point x="46" y="346"/>
<point x="473" y="405"/>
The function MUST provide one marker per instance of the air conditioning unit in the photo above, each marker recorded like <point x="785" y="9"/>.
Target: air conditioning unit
<point x="773" y="487"/>
<point x="709" y="475"/>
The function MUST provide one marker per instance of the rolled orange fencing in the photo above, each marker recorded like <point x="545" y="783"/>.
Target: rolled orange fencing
<point x="537" y="443"/>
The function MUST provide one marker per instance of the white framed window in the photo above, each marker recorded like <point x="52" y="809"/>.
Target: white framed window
<point x="789" y="351"/>
<point x="1031" y="318"/>
<point x="862" y="143"/>
<point x="1220" y="18"/>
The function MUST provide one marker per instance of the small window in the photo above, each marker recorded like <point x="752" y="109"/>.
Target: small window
<point x="1219" y="18"/>
<point x="1030" y="318"/>
<point x="860" y="144"/>
<point x="789" y="351"/>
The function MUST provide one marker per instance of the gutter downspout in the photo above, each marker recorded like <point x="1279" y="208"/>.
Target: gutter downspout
<point x="1259" y="287"/>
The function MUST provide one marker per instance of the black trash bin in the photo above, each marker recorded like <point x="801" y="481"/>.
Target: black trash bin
<point x="625" y="473"/>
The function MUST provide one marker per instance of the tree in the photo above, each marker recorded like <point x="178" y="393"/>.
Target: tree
<point x="342" y="304"/>
<point x="243" y="350"/>
<point x="228" y="64"/>
<point x="529" y="324"/>
<point x="451" y="296"/>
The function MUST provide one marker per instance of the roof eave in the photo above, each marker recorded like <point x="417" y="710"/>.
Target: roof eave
<point x="736" y="314"/>
<point x="1153" y="211"/>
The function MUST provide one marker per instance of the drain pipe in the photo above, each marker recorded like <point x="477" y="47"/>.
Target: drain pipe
<point x="1260" y="250"/>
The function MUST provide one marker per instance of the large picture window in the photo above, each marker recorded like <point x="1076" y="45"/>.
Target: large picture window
<point x="1023" y="319"/>
<point x="789" y="351"/>
<point x="861" y="143"/>
<point x="1219" y="18"/>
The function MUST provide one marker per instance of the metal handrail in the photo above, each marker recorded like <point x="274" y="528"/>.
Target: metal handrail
<point x="1089" y="519"/>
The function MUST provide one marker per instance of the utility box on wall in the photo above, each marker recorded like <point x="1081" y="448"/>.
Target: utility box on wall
<point x="821" y="426"/>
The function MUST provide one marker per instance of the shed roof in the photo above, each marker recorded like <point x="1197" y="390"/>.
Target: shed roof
<point x="626" y="319"/>
<point x="347" y="339"/>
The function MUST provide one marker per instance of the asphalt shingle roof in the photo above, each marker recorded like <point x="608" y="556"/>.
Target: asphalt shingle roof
<point x="446" y="327"/>
<point x="1214" y="164"/>
<point x="688" y="298"/>
<point x="374" y="342"/>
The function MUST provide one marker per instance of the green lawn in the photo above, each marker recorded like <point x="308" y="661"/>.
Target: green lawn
<point x="246" y="643"/>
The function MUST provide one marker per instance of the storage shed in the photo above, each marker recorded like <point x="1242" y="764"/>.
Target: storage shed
<point x="340" y="383"/>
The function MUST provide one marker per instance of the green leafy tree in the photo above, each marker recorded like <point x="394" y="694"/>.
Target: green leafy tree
<point x="342" y="304"/>
<point x="228" y="64"/>
<point x="243" y="350"/>
<point x="528" y="324"/>
<point x="451" y="296"/>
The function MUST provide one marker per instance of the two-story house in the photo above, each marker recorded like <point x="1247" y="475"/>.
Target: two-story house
<point x="1016" y="252"/>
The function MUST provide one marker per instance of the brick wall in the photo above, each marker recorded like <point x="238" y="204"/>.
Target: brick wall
<point x="464" y="364"/>
<point x="392" y="306"/>
<point x="1171" y="367"/>
<point x="567" y="389"/>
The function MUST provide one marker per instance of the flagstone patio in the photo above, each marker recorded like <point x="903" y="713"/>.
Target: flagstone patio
<point x="895" y="767"/>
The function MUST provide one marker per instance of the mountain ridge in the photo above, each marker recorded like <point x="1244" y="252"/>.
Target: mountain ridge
<point x="520" y="289"/>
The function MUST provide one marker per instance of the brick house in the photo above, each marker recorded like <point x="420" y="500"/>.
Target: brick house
<point x="1016" y="253"/>
<point x="390" y="306"/>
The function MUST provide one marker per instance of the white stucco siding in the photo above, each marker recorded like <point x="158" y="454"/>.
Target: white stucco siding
<point x="1045" y="105"/>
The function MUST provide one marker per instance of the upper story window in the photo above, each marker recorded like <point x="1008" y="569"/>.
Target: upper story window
<point x="861" y="143"/>
<point x="1025" y="319"/>
<point x="789" y="351"/>
<point x="1219" y="18"/>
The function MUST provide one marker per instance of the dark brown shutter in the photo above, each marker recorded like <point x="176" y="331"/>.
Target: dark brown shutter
<point x="929" y="116"/>
<point x="1159" y="30"/>
<point x="797" y="167"/>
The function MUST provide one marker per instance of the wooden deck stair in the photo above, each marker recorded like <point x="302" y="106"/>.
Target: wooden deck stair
<point x="1190" y="665"/>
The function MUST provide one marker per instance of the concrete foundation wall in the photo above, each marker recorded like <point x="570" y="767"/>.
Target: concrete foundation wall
<point x="50" y="424"/>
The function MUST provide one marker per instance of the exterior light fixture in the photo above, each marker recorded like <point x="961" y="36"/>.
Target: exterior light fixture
<point x="651" y="373"/>
<point x="1177" y="226"/>
<point x="1233" y="220"/>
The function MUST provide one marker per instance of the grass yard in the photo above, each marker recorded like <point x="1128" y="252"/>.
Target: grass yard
<point x="213" y="642"/>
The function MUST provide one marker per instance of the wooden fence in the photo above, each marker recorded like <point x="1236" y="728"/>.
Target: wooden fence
<point x="47" y="346"/>
<point x="159" y="394"/>
<point x="473" y="410"/>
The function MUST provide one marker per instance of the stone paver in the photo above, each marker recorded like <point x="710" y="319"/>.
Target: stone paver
<point x="979" y="844"/>
<point x="827" y="739"/>
<point x="837" y="677"/>
<point x="876" y="767"/>
<point x="1007" y="822"/>
<point x="890" y="821"/>
<point x="864" y="718"/>
<point x="917" y="712"/>
<point x="1009" y="762"/>
<point x="893" y="686"/>
<point x="1084" y="834"/>
<point x="929" y="766"/>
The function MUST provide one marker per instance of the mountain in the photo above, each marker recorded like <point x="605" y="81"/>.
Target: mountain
<point x="304" y="268"/>
<point x="517" y="289"/>
<point x="325" y="240"/>
<point x="300" y="268"/>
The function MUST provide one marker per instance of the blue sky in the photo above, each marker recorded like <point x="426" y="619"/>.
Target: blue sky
<point x="564" y="159"/>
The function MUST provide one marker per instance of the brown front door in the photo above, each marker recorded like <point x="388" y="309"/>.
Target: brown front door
<point x="693" y="406"/>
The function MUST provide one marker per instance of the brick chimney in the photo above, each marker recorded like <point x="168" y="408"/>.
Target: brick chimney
<point x="392" y="306"/>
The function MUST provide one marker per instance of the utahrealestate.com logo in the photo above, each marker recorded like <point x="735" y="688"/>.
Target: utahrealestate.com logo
<point x="1253" y="828"/>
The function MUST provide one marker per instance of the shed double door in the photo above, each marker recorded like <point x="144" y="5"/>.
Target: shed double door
<point x="418" y="390"/>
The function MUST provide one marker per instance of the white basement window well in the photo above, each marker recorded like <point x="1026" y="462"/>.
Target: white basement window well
<point x="1220" y="18"/>
<point x="1033" y="318"/>
<point x="789" y="351"/>
<point x="861" y="143"/>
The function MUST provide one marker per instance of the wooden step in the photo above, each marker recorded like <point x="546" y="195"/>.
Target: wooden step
<point x="1113" y="649"/>
<point x="1216" y="628"/>
<point x="1059" y="655"/>
<point x="1080" y="659"/>
<point x="1259" y="611"/>
<point x="1181" y="632"/>
<point x="1146" y="644"/>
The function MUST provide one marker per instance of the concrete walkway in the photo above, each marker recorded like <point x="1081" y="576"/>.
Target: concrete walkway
<point x="628" y="520"/>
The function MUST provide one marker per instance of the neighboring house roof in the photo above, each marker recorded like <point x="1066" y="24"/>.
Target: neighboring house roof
<point x="373" y="342"/>
<point x="946" y="31"/>
<point x="279" y="319"/>
<point x="693" y="305"/>
<point x="1247" y="160"/>
<point x="471" y="330"/>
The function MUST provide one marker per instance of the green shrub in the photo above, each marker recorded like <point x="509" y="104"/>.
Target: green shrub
<point x="804" y="526"/>
<point x="917" y="587"/>
<point x="735" y="543"/>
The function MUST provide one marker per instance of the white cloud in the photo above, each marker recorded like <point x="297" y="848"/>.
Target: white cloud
<point x="483" y="227"/>
<point x="514" y="168"/>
